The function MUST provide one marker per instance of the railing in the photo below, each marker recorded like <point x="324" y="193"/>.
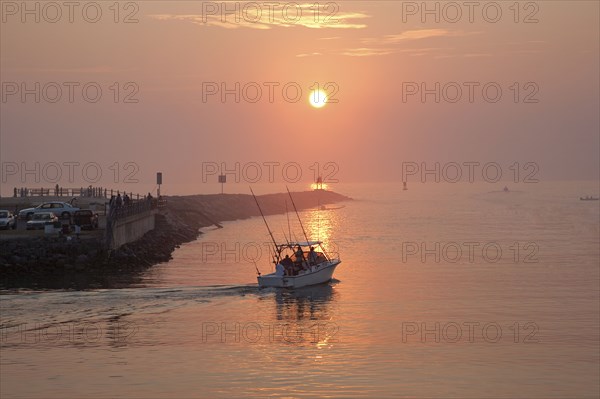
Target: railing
<point x="128" y="204"/>
<point x="120" y="210"/>
<point x="57" y="191"/>
<point x="116" y="211"/>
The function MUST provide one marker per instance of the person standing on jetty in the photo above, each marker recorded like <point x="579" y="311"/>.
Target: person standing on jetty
<point x="149" y="201"/>
<point x="111" y="205"/>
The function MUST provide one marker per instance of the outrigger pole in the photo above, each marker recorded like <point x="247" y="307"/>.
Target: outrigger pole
<point x="286" y="239"/>
<point x="266" y="224"/>
<point x="296" y="210"/>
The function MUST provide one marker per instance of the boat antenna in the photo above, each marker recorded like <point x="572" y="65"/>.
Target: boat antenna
<point x="266" y="224"/>
<point x="296" y="210"/>
<point x="288" y="220"/>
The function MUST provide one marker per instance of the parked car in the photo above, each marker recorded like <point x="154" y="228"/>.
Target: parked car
<point x="86" y="219"/>
<point x="7" y="220"/>
<point x="62" y="209"/>
<point x="39" y="220"/>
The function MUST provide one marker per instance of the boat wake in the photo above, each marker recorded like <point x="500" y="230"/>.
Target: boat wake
<point x="44" y="307"/>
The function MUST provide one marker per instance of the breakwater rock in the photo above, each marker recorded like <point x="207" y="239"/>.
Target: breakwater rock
<point x="209" y="210"/>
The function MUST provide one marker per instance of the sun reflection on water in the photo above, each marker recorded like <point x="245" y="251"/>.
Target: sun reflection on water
<point x="321" y="225"/>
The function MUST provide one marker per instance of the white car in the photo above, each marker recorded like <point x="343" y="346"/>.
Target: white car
<point x="61" y="209"/>
<point x="7" y="220"/>
<point x="39" y="220"/>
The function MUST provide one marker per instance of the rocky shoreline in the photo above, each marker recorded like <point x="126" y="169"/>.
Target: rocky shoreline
<point x="70" y="263"/>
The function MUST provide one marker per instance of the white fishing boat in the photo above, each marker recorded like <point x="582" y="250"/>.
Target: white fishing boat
<point x="315" y="266"/>
<point x="297" y="264"/>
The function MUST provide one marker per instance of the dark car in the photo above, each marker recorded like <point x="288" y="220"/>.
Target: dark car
<point x="86" y="219"/>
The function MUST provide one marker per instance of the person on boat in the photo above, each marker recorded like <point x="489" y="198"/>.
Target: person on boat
<point x="299" y="254"/>
<point x="288" y="265"/>
<point x="312" y="256"/>
<point x="279" y="270"/>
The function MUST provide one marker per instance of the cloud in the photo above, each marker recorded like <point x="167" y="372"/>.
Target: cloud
<point x="407" y="35"/>
<point x="269" y="17"/>
<point x="308" y="55"/>
<point x="366" y="52"/>
<point x="393" y="44"/>
<point x="477" y="55"/>
<point x="399" y="44"/>
<point x="417" y="34"/>
<point x="378" y="51"/>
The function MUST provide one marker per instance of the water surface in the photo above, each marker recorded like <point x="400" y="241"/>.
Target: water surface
<point x="522" y="322"/>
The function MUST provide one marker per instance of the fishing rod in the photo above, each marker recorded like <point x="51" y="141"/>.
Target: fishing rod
<point x="286" y="239"/>
<point x="296" y="210"/>
<point x="266" y="224"/>
<point x="256" y="267"/>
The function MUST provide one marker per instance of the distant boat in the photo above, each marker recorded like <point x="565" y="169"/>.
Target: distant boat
<point x="588" y="198"/>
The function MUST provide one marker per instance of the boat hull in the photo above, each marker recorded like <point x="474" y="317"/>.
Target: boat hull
<point x="318" y="275"/>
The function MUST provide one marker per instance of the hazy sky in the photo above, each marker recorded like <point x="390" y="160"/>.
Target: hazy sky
<point x="377" y="56"/>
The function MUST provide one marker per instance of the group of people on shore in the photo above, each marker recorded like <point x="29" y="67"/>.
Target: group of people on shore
<point x="119" y="201"/>
<point x="291" y="267"/>
<point x="125" y="200"/>
<point x="123" y="205"/>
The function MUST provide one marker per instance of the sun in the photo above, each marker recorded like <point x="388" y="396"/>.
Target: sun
<point x="317" y="98"/>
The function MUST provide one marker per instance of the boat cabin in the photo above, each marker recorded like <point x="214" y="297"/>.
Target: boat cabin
<point x="298" y="256"/>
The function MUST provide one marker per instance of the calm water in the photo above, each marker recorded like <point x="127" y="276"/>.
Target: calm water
<point x="444" y="291"/>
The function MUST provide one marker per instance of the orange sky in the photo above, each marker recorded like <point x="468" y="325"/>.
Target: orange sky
<point x="176" y="50"/>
